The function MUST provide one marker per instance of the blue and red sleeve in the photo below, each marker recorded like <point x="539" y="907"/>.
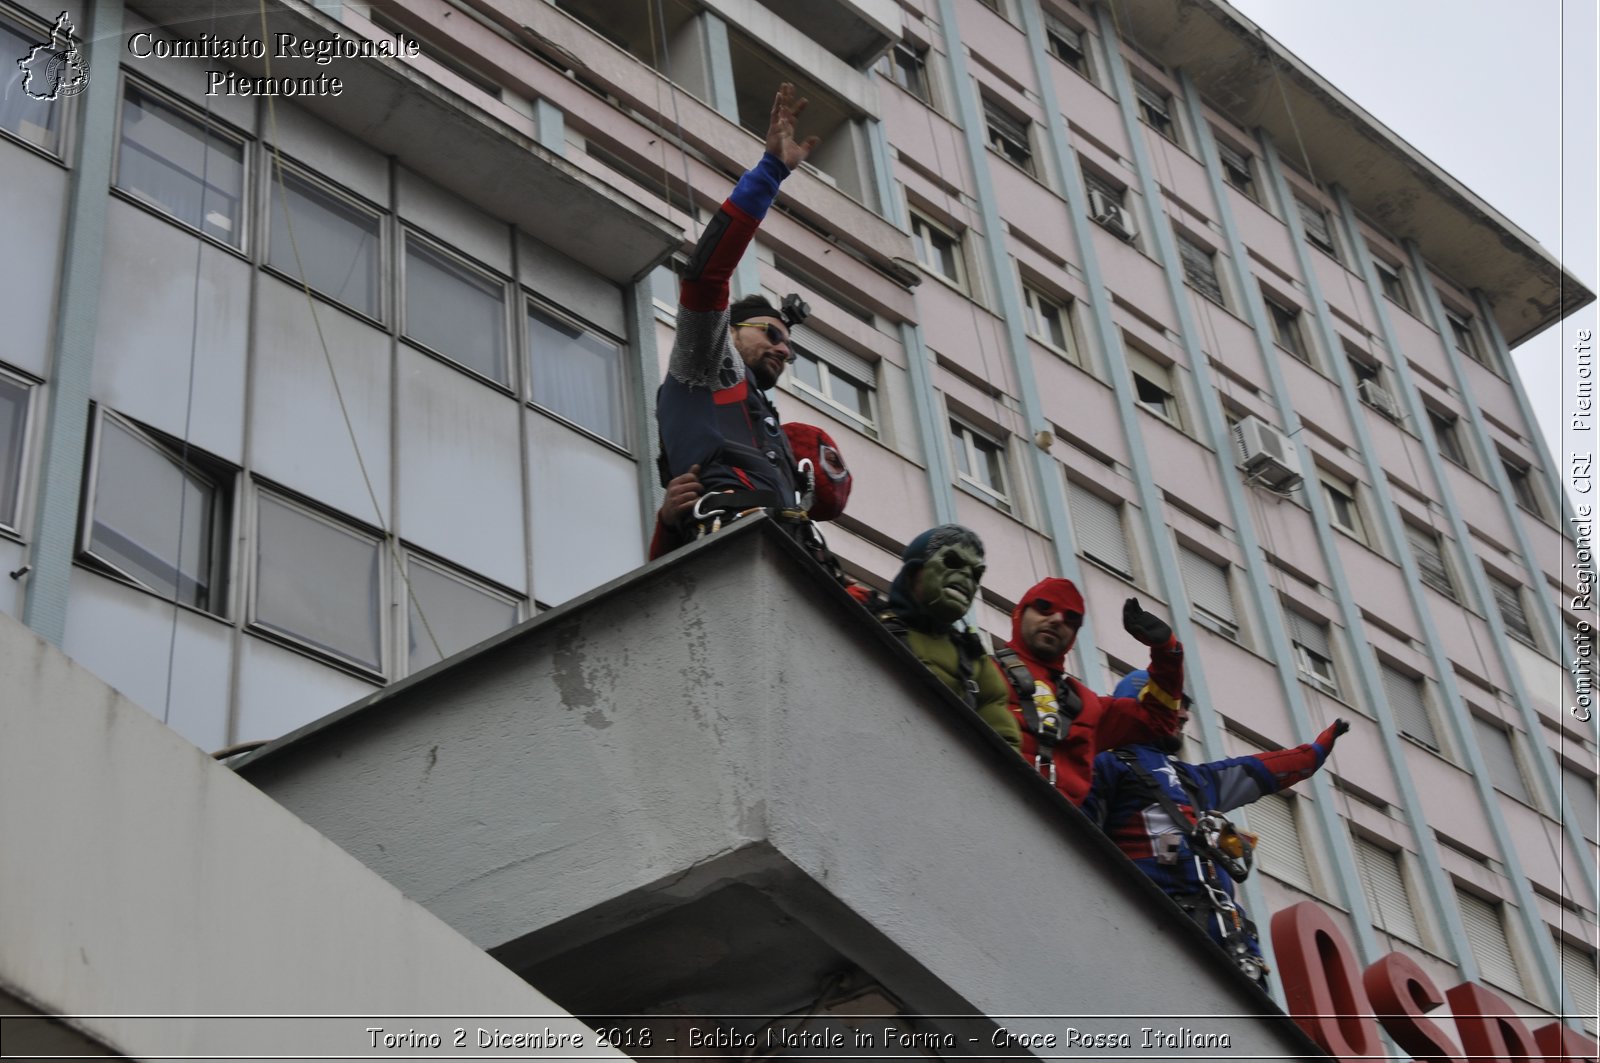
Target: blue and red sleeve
<point x="705" y="281"/>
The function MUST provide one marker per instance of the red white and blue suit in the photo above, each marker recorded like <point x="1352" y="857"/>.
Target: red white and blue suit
<point x="1121" y="804"/>
<point x="709" y="409"/>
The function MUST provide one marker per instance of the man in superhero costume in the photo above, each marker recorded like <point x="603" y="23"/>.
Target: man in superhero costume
<point x="932" y="592"/>
<point x="710" y="409"/>
<point x="1166" y="815"/>
<point x="1064" y="723"/>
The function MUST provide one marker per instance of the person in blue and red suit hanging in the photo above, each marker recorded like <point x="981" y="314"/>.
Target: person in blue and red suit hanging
<point x="1126" y="806"/>
<point x="1064" y="716"/>
<point x="713" y="416"/>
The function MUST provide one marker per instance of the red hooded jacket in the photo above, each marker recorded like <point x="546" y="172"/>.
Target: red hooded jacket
<point x="1105" y="722"/>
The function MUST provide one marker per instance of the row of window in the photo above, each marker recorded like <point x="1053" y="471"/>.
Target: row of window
<point x="163" y="516"/>
<point x="1395" y="904"/>
<point x="171" y="159"/>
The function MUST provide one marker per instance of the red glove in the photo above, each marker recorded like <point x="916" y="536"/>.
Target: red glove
<point x="1335" y="729"/>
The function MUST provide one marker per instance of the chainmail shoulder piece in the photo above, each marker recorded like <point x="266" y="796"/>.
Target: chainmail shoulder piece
<point x="702" y="354"/>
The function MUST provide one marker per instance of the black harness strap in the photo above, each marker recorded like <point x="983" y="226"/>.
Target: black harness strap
<point x="966" y="658"/>
<point x="1048" y="729"/>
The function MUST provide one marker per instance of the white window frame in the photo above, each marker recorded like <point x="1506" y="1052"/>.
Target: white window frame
<point x="447" y="257"/>
<point x="1335" y="490"/>
<point x="925" y="235"/>
<point x="1409" y="708"/>
<point x="1320" y="670"/>
<point x="1507" y="757"/>
<point x="1505" y="592"/>
<point x="196" y="466"/>
<point x="1288" y="328"/>
<point x="1010" y="136"/>
<point x="1395" y="896"/>
<point x="1524" y="485"/>
<point x="1464" y="338"/>
<point x="1238" y="169"/>
<point x="1082" y="503"/>
<point x="1318" y="227"/>
<point x="1159" y="377"/>
<point x="1485" y="924"/>
<point x="1156" y="110"/>
<point x="1432" y="558"/>
<point x="340" y="198"/>
<point x="1061" y="37"/>
<point x="12" y="521"/>
<point x="918" y="55"/>
<point x="1105" y="197"/>
<point x="1267" y="825"/>
<point x="214" y="130"/>
<point x="974" y="444"/>
<point x="285" y="636"/>
<point x="1448" y="426"/>
<point x="1036" y="306"/>
<point x="822" y="352"/>
<point x="1209" y="585"/>
<point x="1392" y="282"/>
<point x="1192" y="255"/>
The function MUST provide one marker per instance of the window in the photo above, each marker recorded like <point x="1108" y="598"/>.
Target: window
<point x="14" y="401"/>
<point x="1313" y="653"/>
<point x="1500" y="754"/>
<point x="1486" y="934"/>
<point x="1237" y="169"/>
<point x="1392" y="281"/>
<point x="980" y="463"/>
<point x="577" y="374"/>
<point x="36" y="121"/>
<point x="1446" y="434"/>
<point x="1508" y="598"/>
<point x="450" y="610"/>
<point x="340" y="244"/>
<point x="908" y="67"/>
<point x="1209" y="592"/>
<point x="1097" y="526"/>
<point x="455" y="309"/>
<point x="937" y="250"/>
<point x="1315" y="221"/>
<point x="1578" y="971"/>
<point x="171" y="160"/>
<point x="1152" y="388"/>
<point x="1384" y="881"/>
<point x="158" y="517"/>
<point x="1155" y="109"/>
<point x="1343" y="512"/>
<point x="1368" y="376"/>
<point x="838" y="378"/>
<point x="1286" y="332"/>
<point x="1047" y="320"/>
<point x="319" y="582"/>
<point x="1408" y="704"/>
<point x="1427" y="549"/>
<point x="1008" y="135"/>
<point x="1522" y="486"/>
<point x="1200" y="268"/>
<point x="1585" y="799"/>
<point x="1279" y="852"/>
<point x="1066" y="44"/>
<point x="1106" y="205"/>
<point x="1465" y="338"/>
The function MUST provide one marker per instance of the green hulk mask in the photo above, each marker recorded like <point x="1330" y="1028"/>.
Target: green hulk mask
<point x="948" y="581"/>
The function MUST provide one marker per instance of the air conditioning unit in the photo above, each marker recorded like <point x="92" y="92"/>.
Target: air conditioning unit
<point x="1110" y="214"/>
<point x="1267" y="454"/>
<point x="1377" y="396"/>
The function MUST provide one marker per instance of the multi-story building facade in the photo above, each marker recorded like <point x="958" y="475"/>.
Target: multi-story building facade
<point x="301" y="393"/>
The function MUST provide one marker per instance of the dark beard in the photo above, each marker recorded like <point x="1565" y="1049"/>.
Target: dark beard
<point x="1171" y="745"/>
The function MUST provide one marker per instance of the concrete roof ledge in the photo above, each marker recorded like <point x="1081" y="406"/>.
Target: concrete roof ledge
<point x="717" y="781"/>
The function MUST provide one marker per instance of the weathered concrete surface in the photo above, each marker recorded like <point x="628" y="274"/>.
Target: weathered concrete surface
<point x="715" y="783"/>
<point x="140" y="878"/>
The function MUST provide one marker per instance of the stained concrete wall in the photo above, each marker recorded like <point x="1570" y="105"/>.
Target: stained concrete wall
<point x="141" y="878"/>
<point x="727" y="725"/>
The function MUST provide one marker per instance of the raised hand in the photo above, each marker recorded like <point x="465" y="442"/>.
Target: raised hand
<point x="780" y="131"/>
<point x="1146" y="627"/>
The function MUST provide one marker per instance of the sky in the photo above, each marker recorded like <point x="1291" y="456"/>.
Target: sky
<point x="1502" y="96"/>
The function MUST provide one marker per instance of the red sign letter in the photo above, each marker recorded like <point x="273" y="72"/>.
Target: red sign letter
<point x="1489" y="1030"/>
<point x="1321" y="984"/>
<point x="1400" y="993"/>
<point x="1565" y="1044"/>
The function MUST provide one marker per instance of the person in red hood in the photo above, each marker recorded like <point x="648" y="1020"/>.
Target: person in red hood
<point x="1064" y="723"/>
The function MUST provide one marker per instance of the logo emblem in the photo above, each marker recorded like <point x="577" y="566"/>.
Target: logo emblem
<point x="56" y="69"/>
